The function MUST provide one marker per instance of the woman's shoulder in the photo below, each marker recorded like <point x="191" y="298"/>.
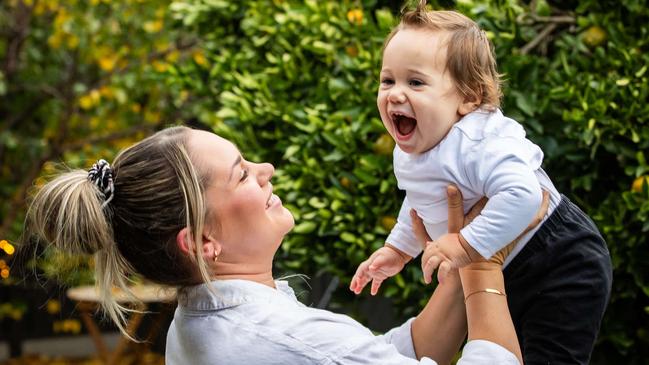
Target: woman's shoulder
<point x="278" y="328"/>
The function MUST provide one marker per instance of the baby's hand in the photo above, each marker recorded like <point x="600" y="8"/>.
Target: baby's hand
<point x="385" y="262"/>
<point x="448" y="252"/>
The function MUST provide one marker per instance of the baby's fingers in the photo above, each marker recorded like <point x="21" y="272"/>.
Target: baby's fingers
<point x="429" y="266"/>
<point x="376" y="284"/>
<point x="360" y="279"/>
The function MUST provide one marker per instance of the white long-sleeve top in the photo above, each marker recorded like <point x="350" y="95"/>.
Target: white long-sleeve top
<point x="484" y="154"/>
<point x="244" y="322"/>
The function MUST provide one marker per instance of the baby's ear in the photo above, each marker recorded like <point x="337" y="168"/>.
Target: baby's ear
<point x="471" y="103"/>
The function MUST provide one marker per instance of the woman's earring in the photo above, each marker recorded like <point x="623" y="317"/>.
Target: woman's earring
<point x="216" y="255"/>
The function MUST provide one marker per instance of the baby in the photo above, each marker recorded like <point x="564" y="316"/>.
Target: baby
<point x="439" y="99"/>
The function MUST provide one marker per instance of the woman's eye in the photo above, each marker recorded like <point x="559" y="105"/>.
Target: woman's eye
<point x="387" y="81"/>
<point x="244" y="175"/>
<point x="416" y="83"/>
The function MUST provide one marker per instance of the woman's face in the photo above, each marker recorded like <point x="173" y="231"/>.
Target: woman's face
<point x="244" y="215"/>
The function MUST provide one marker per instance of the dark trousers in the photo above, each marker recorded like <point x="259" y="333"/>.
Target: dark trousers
<point x="558" y="287"/>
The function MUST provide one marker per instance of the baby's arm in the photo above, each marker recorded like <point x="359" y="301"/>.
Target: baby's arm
<point x="514" y="196"/>
<point x="400" y="247"/>
<point x="385" y="262"/>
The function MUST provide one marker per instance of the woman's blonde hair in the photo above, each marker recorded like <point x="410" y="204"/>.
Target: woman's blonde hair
<point x="469" y="58"/>
<point x="157" y="192"/>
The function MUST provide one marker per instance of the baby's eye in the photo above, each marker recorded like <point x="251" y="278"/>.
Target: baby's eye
<point x="244" y="175"/>
<point x="416" y="82"/>
<point x="387" y="81"/>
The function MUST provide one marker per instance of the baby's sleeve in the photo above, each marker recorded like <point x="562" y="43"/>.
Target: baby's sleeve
<point x="504" y="171"/>
<point x="402" y="236"/>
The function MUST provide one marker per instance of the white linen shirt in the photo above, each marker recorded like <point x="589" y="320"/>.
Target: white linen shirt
<point x="244" y="322"/>
<point x="484" y="154"/>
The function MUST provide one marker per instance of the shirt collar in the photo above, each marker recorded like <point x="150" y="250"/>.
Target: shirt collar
<point x="221" y="294"/>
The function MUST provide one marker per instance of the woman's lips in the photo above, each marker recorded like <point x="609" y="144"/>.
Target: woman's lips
<point x="273" y="201"/>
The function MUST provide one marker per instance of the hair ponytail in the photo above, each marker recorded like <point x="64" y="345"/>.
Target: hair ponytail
<point x="67" y="213"/>
<point x="128" y="216"/>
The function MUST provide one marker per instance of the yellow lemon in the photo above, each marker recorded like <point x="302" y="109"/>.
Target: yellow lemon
<point x="53" y="306"/>
<point x="637" y="183"/>
<point x="384" y="145"/>
<point x="345" y="182"/>
<point x="594" y="36"/>
<point x="388" y="222"/>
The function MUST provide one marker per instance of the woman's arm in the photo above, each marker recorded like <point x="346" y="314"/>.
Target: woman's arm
<point x="487" y="312"/>
<point x="440" y="328"/>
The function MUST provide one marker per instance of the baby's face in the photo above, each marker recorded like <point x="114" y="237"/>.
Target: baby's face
<point x="417" y="98"/>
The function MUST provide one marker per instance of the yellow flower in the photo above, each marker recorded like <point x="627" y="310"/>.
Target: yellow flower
<point x="199" y="58"/>
<point x="3" y="264"/>
<point x="53" y="306"/>
<point x="184" y="94"/>
<point x="4" y="273"/>
<point x="9" y="248"/>
<point x="107" y="63"/>
<point x="72" y="41"/>
<point x="172" y="56"/>
<point x="152" y="117"/>
<point x="85" y="102"/>
<point x="153" y="26"/>
<point x="57" y="326"/>
<point x="106" y="92"/>
<point x="55" y="40"/>
<point x="160" y="66"/>
<point x="61" y="17"/>
<point x="355" y="16"/>
<point x="351" y="51"/>
<point x="95" y="96"/>
<point x="3" y="243"/>
<point x="16" y="314"/>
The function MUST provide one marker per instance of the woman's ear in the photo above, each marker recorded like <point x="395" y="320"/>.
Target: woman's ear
<point x="184" y="242"/>
<point x="211" y="247"/>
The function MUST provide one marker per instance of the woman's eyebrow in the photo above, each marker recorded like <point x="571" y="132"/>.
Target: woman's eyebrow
<point x="236" y="162"/>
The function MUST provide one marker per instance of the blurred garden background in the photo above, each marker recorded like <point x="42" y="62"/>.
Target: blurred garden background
<point x="294" y="83"/>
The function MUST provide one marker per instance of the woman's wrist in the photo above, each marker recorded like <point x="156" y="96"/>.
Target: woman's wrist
<point x="482" y="277"/>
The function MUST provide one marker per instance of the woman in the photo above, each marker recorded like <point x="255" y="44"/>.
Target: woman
<point x="183" y="208"/>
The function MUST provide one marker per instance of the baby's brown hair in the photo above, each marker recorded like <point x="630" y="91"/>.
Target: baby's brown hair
<point x="470" y="57"/>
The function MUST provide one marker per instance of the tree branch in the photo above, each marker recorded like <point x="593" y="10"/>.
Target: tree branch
<point x="539" y="37"/>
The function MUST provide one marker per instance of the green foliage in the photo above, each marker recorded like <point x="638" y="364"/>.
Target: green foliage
<point x="78" y="81"/>
<point x="294" y="83"/>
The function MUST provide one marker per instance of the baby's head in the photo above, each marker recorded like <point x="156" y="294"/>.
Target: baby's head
<point x="437" y="67"/>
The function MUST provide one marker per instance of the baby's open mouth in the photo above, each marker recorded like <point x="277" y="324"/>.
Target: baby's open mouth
<point x="404" y="124"/>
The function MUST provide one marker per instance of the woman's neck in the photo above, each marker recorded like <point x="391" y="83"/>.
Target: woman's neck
<point x="262" y="274"/>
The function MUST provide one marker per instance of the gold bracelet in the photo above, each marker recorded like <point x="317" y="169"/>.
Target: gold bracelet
<point x="486" y="290"/>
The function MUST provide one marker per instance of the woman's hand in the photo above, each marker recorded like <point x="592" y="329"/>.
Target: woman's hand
<point x="457" y="220"/>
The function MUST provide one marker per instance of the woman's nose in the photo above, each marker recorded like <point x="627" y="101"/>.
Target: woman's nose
<point x="265" y="172"/>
